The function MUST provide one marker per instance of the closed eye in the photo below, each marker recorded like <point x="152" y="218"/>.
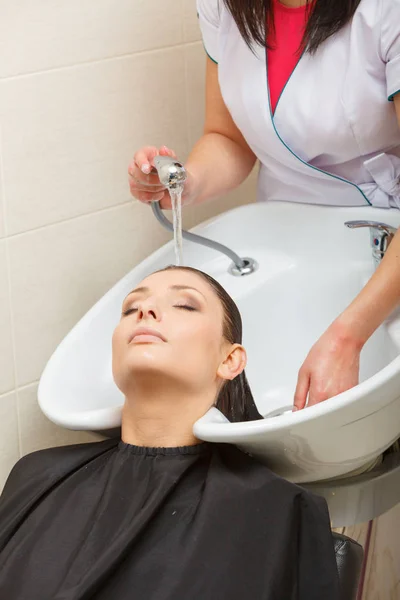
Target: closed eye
<point x="184" y="306"/>
<point x="129" y="311"/>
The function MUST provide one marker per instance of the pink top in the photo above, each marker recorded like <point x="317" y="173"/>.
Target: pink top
<point x="283" y="57"/>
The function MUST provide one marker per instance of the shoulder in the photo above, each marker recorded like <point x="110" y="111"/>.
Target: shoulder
<point x="390" y="29"/>
<point x="209" y="10"/>
<point x="380" y="18"/>
<point x="261" y="480"/>
<point x="53" y="463"/>
<point x="209" y="13"/>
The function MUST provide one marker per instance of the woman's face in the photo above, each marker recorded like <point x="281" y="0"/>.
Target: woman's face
<point x="171" y="325"/>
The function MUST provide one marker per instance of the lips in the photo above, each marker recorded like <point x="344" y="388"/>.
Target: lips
<point x="146" y="332"/>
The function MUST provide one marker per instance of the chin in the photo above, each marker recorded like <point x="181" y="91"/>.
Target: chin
<point x="145" y="364"/>
<point x="145" y="354"/>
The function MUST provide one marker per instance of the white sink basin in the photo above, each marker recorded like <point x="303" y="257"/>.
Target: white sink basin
<point x="310" y="268"/>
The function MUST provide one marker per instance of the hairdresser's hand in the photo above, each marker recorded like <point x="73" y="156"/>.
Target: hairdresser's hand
<point x="331" y="367"/>
<point x="147" y="187"/>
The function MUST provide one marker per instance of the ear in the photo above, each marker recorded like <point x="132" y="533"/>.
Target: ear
<point x="234" y="363"/>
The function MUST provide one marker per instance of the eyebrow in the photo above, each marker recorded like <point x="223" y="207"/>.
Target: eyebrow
<point x="143" y="290"/>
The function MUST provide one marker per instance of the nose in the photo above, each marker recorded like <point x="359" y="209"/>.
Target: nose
<point x="148" y="310"/>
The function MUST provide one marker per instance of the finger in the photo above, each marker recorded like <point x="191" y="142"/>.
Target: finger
<point x="148" y="197"/>
<point x="142" y="185"/>
<point x="165" y="151"/>
<point x="144" y="158"/>
<point x="136" y="176"/>
<point x="302" y="388"/>
<point x="316" y="396"/>
<point x="166" y="203"/>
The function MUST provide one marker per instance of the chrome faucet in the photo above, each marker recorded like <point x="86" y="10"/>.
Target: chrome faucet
<point x="172" y="175"/>
<point x="381" y="236"/>
<point x="171" y="172"/>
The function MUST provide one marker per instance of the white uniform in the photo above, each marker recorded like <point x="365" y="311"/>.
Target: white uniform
<point x="334" y="138"/>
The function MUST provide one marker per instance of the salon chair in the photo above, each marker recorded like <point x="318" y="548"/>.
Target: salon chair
<point x="349" y="559"/>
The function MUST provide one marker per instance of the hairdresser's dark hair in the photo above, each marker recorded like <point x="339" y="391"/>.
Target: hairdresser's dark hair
<point x="326" y="17"/>
<point x="235" y="399"/>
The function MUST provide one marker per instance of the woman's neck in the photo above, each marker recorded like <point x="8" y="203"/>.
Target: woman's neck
<point x="162" y="417"/>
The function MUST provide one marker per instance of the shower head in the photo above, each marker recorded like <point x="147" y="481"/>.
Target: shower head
<point x="171" y="172"/>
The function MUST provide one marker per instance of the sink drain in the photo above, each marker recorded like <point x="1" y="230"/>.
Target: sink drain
<point x="249" y="266"/>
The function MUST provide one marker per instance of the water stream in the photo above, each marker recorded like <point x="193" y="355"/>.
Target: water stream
<point x="176" y="200"/>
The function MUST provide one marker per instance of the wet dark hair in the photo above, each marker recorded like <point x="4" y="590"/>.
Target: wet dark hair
<point x="326" y="17"/>
<point x="235" y="399"/>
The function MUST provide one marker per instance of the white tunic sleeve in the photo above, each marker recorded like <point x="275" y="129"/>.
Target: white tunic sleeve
<point x="390" y="40"/>
<point x="209" y="13"/>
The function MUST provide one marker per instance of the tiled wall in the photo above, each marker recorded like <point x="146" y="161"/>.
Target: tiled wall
<point x="82" y="86"/>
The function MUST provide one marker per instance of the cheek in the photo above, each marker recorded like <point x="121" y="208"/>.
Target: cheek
<point x="197" y="341"/>
<point x="119" y="353"/>
<point x="116" y="339"/>
<point x="117" y="343"/>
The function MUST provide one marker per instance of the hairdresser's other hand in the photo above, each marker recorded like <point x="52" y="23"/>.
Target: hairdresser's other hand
<point x="146" y="187"/>
<point x="331" y="367"/>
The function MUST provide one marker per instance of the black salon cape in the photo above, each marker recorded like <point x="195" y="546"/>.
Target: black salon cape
<point x="111" y="521"/>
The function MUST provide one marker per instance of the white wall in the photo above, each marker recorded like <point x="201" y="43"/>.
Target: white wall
<point x="82" y="86"/>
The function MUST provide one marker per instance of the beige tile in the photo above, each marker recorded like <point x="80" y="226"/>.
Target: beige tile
<point x="2" y="213"/>
<point x="59" y="272"/>
<point x="40" y="35"/>
<point x="195" y="65"/>
<point x="2" y="227"/>
<point x="9" y="445"/>
<point x="37" y="432"/>
<point x="191" y="29"/>
<point x="68" y="136"/>
<point x="6" y="350"/>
